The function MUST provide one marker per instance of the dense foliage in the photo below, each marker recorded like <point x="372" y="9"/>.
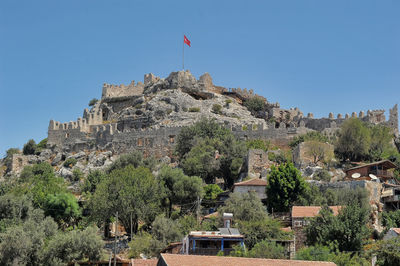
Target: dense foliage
<point x="285" y="186"/>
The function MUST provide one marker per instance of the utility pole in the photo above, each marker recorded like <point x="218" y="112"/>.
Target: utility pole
<point x="115" y="240"/>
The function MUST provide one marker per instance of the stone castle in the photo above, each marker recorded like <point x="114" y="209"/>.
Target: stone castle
<point x="148" y="116"/>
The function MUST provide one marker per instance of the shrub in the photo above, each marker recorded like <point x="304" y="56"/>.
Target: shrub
<point x="77" y="175"/>
<point x="322" y="175"/>
<point x="228" y="101"/>
<point x="29" y="147"/>
<point x="93" y="101"/>
<point x="217" y="108"/>
<point x="255" y="104"/>
<point x="70" y="162"/>
<point x="194" y="109"/>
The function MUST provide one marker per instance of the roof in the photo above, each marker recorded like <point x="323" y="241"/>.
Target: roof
<point x="208" y="216"/>
<point x="386" y="163"/>
<point x="286" y="229"/>
<point x="396" y="230"/>
<point x="223" y="232"/>
<point x="252" y="182"/>
<point x="197" y="260"/>
<point x="311" y="211"/>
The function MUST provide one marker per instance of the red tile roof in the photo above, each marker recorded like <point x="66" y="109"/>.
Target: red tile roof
<point x="311" y="211"/>
<point x="196" y="260"/>
<point x="208" y="216"/>
<point x="397" y="230"/>
<point x="252" y="182"/>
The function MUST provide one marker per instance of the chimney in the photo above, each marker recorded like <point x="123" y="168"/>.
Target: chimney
<point x="227" y="219"/>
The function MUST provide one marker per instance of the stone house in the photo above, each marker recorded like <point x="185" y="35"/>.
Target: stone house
<point x="257" y="185"/>
<point x="393" y="232"/>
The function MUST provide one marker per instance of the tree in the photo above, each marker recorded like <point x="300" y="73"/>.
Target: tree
<point x="389" y="219"/>
<point x="29" y="147"/>
<point x="63" y="207"/>
<point x="39" y="181"/>
<point x="166" y="230"/>
<point x="320" y="152"/>
<point x="134" y="192"/>
<point x="92" y="180"/>
<point x="178" y="187"/>
<point x="285" y="186"/>
<point x="245" y="207"/>
<point x="387" y="251"/>
<point x="259" y="230"/>
<point x="73" y="246"/>
<point x="93" y="102"/>
<point x="144" y="243"/>
<point x="14" y="210"/>
<point x="134" y="158"/>
<point x="208" y="150"/>
<point x="354" y="140"/>
<point x="268" y="250"/>
<point x="381" y="143"/>
<point x="211" y="192"/>
<point x="255" y="104"/>
<point x="258" y="144"/>
<point x="348" y="229"/>
<point x="309" y="136"/>
<point x="21" y="244"/>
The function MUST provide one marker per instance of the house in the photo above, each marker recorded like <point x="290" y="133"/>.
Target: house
<point x="192" y="260"/>
<point x="300" y="218"/>
<point x="391" y="196"/>
<point x="212" y="242"/>
<point x="257" y="185"/>
<point x="392" y="233"/>
<point x="300" y="214"/>
<point x="382" y="170"/>
<point x="173" y="248"/>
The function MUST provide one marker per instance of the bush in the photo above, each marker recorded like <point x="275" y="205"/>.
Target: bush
<point x="70" y="162"/>
<point x="77" y="175"/>
<point x="258" y="144"/>
<point x="194" y="109"/>
<point x="217" y="108"/>
<point x="29" y="147"/>
<point x="255" y="104"/>
<point x="93" y="101"/>
<point x="322" y="175"/>
<point x="228" y="101"/>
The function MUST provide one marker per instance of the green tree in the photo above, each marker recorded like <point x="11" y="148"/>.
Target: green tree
<point x="211" y="192"/>
<point x="285" y="186"/>
<point x="144" y="243"/>
<point x="314" y="253"/>
<point x="73" y="246"/>
<point x="134" y="158"/>
<point x="63" y="207"/>
<point x="245" y="207"/>
<point x="134" y="192"/>
<point x="347" y="230"/>
<point x="354" y="140"/>
<point x="259" y="230"/>
<point x="255" y="104"/>
<point x="166" y="230"/>
<point x="208" y="150"/>
<point x="22" y="244"/>
<point x="387" y="251"/>
<point x="309" y="136"/>
<point x="93" y="102"/>
<point x="381" y="146"/>
<point x="268" y="250"/>
<point x="391" y="219"/>
<point x="38" y="181"/>
<point x="92" y="180"/>
<point x="179" y="188"/>
<point x="14" y="210"/>
<point x="258" y="144"/>
<point x="29" y="147"/>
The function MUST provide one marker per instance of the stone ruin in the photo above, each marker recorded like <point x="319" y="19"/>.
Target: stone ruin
<point x="103" y="127"/>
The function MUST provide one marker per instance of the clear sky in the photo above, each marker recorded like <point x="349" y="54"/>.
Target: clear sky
<point x="321" y="56"/>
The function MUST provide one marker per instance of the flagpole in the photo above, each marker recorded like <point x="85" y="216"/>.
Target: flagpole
<point x="183" y="54"/>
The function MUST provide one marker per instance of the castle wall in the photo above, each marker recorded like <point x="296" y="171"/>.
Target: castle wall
<point x="110" y="90"/>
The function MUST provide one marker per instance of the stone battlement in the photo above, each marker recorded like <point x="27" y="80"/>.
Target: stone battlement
<point x="110" y="91"/>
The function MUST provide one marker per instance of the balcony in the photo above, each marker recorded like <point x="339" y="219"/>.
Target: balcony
<point x="209" y="251"/>
<point x="382" y="173"/>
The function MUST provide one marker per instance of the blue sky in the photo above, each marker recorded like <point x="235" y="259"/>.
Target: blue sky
<point x="320" y="56"/>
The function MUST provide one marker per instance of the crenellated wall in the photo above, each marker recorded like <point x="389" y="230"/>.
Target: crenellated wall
<point x="132" y="89"/>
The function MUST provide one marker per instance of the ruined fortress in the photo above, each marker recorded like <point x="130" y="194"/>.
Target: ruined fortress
<point x="127" y="118"/>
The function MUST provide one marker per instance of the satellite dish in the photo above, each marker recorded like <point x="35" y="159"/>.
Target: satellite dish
<point x="355" y="175"/>
<point x="373" y="177"/>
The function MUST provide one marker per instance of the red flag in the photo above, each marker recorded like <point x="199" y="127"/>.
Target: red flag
<point x="186" y="40"/>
